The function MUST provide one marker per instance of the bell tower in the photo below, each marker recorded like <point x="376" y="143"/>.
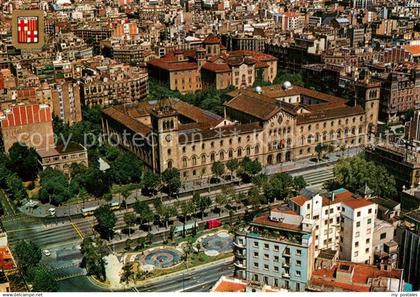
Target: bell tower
<point x="368" y="96"/>
<point x="165" y="122"/>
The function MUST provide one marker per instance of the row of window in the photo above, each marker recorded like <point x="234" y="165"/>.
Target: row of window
<point x="346" y="121"/>
<point x="277" y="269"/>
<point x="213" y="156"/>
<point x="276" y="258"/>
<point x="203" y="145"/>
<point x="356" y="253"/>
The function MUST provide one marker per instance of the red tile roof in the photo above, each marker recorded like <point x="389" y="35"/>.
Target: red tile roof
<point x="211" y="39"/>
<point x="216" y="67"/>
<point x="170" y="65"/>
<point x="357" y="203"/>
<point x="299" y="200"/>
<point x="359" y="279"/>
<point x="21" y="115"/>
<point x="227" y="286"/>
<point x="413" y="49"/>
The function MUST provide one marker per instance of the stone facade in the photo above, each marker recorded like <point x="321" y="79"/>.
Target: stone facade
<point x="61" y="157"/>
<point x="274" y="126"/>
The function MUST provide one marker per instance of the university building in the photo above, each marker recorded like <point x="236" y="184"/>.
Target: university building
<point x="212" y="66"/>
<point x="272" y="124"/>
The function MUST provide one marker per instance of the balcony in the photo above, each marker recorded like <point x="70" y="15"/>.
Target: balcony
<point x="239" y="255"/>
<point x="286" y="253"/>
<point x="286" y="264"/>
<point x="239" y="265"/>
<point x="285" y="275"/>
<point x="238" y="245"/>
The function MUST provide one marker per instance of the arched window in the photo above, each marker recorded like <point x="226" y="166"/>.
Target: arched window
<point x="194" y="160"/>
<point x="184" y="162"/>
<point x="212" y="157"/>
<point x="230" y="154"/>
<point x="248" y="151"/>
<point x="203" y="159"/>
<point x="169" y="164"/>
<point x="221" y="155"/>
<point x="239" y="152"/>
<point x="257" y="149"/>
<point x="310" y="138"/>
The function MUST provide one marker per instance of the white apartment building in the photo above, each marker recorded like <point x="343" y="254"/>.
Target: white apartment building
<point x="341" y="221"/>
<point x="357" y="224"/>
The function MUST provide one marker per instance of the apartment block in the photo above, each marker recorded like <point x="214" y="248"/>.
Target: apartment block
<point x="66" y="102"/>
<point x="343" y="221"/>
<point x="276" y="250"/>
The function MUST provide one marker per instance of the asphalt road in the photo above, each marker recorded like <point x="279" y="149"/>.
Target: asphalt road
<point x="192" y="281"/>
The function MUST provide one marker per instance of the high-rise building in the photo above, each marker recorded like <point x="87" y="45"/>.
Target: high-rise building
<point x="342" y="222"/>
<point x="66" y="102"/>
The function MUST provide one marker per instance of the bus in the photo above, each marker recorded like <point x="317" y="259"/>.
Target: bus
<point x="115" y="205"/>
<point x="89" y="211"/>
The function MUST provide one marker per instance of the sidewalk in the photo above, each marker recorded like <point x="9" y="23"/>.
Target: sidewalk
<point x="291" y="166"/>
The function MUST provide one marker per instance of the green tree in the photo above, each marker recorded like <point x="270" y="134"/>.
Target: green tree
<point x="143" y="210"/>
<point x="255" y="198"/>
<point x="43" y="280"/>
<point x="4" y="174"/>
<point x="130" y="220"/>
<point x="166" y="212"/>
<point x="55" y="187"/>
<point x="260" y="180"/>
<point x="15" y="187"/>
<point x="28" y="255"/>
<point x="23" y="161"/>
<point x="151" y="182"/>
<point x="221" y="200"/>
<point x="299" y="183"/>
<point x="250" y="167"/>
<point x="201" y="203"/>
<point x="126" y="168"/>
<point x="319" y="149"/>
<point x="232" y="165"/>
<point x="106" y="221"/>
<point x="354" y="173"/>
<point x="96" y="182"/>
<point x="279" y="187"/>
<point x="218" y="168"/>
<point x="185" y="209"/>
<point x="172" y="181"/>
<point x="94" y="250"/>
